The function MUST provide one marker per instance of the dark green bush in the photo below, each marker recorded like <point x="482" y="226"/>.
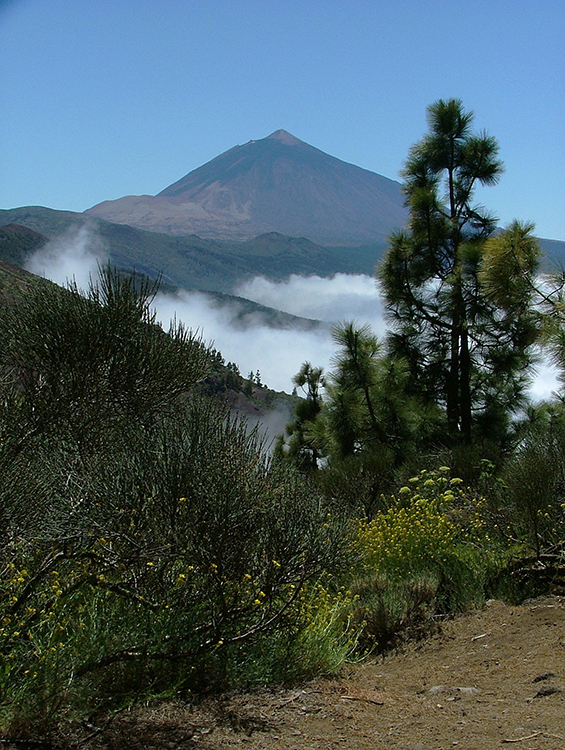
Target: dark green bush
<point x="146" y="537"/>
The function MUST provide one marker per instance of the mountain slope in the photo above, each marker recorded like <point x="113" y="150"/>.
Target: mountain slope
<point x="189" y="263"/>
<point x="17" y="242"/>
<point x="195" y="263"/>
<point x="278" y="183"/>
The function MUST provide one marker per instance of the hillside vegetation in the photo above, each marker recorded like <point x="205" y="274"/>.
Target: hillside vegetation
<point x="151" y="548"/>
<point x="193" y="263"/>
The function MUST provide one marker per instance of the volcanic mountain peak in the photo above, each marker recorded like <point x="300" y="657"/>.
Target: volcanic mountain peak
<point x="278" y="183"/>
<point x="285" y="137"/>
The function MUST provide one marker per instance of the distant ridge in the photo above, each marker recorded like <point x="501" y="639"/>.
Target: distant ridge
<point x="276" y="184"/>
<point x="189" y="261"/>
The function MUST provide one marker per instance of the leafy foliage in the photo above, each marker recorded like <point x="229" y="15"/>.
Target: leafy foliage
<point x="534" y="481"/>
<point x="87" y="364"/>
<point x="366" y="426"/>
<point x="148" y="544"/>
<point x="302" y="449"/>
<point x="145" y="536"/>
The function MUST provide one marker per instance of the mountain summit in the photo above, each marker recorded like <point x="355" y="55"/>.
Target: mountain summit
<point x="278" y="183"/>
<point x="285" y="137"/>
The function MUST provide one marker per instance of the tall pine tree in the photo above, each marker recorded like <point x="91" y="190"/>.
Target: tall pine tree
<point x="464" y="352"/>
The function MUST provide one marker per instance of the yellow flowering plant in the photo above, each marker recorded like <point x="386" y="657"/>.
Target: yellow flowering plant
<point x="421" y="554"/>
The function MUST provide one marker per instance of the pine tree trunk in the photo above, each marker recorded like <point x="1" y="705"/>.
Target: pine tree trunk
<point x="465" y="387"/>
<point x="452" y="389"/>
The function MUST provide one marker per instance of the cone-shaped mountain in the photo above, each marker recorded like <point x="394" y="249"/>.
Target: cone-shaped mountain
<point x="278" y="183"/>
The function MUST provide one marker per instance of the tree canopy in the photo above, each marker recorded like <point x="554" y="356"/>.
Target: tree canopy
<point x="465" y="351"/>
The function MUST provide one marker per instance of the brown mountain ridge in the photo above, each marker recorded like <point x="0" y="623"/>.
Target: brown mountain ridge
<point x="276" y="184"/>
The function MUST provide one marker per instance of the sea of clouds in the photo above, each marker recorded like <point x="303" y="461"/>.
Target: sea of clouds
<point x="277" y="353"/>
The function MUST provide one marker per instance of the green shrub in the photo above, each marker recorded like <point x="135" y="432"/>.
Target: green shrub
<point x="318" y="636"/>
<point x="187" y="546"/>
<point x="534" y="479"/>
<point x="146" y="538"/>
<point x="426" y="553"/>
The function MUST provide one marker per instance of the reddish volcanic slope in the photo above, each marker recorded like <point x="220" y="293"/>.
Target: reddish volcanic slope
<point x="278" y="183"/>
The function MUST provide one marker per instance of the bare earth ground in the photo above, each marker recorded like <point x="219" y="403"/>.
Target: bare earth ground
<point x="490" y="678"/>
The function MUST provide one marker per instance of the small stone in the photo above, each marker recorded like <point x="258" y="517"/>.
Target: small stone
<point x="544" y="676"/>
<point x="468" y="690"/>
<point x="547" y="690"/>
<point x="437" y="689"/>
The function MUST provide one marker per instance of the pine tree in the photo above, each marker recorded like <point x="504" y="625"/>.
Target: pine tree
<point x="301" y="448"/>
<point x="367" y="409"/>
<point x="464" y="352"/>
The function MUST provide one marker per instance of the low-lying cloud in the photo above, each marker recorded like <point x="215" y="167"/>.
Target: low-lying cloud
<point x="277" y="353"/>
<point x="73" y="256"/>
<point x="341" y="297"/>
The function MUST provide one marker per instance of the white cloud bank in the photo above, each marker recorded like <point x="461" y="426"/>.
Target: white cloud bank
<point x="73" y="256"/>
<point x="277" y="353"/>
<point x="341" y="297"/>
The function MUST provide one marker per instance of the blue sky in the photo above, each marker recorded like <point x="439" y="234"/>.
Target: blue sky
<point x="100" y="99"/>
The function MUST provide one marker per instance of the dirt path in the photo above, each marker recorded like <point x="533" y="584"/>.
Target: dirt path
<point x="491" y="678"/>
